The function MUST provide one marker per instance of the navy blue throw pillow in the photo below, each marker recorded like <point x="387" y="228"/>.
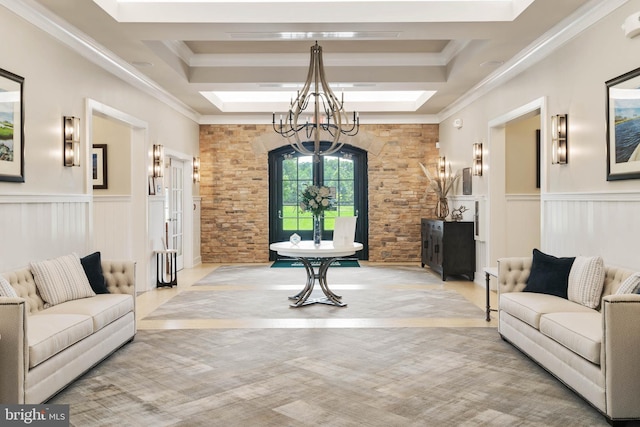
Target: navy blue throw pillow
<point x="549" y="274"/>
<point x="93" y="269"/>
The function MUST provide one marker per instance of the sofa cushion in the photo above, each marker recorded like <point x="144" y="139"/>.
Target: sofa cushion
<point x="61" y="279"/>
<point x="549" y="274"/>
<point x="586" y="281"/>
<point x="631" y="285"/>
<point x="92" y="266"/>
<point x="528" y="307"/>
<point x="103" y="309"/>
<point x="49" y="334"/>
<point x="579" y="332"/>
<point x="6" y="290"/>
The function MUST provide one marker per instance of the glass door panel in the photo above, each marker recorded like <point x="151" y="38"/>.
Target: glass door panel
<point x="290" y="173"/>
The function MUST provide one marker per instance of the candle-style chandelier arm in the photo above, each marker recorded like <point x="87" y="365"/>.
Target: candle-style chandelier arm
<point x="328" y="115"/>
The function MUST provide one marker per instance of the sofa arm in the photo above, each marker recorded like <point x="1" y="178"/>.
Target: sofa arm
<point x="513" y="273"/>
<point x="120" y="276"/>
<point x="14" y="352"/>
<point x="621" y="329"/>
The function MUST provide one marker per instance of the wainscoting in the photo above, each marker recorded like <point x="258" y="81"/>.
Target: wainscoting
<point x="604" y="224"/>
<point x="42" y="226"/>
<point x="112" y="226"/>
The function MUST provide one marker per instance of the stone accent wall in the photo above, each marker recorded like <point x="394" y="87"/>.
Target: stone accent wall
<point x="235" y="191"/>
<point x="397" y="197"/>
<point x="234" y="185"/>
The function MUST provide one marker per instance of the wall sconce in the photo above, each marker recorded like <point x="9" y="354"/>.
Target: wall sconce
<point x="477" y="159"/>
<point x="442" y="166"/>
<point x="71" y="142"/>
<point x="559" y="140"/>
<point x="196" y="169"/>
<point x="158" y="161"/>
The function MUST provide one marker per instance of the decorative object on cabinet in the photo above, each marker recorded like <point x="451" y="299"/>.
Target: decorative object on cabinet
<point x="456" y="214"/>
<point x="623" y="126"/>
<point x="448" y="248"/>
<point x="99" y="166"/>
<point x="441" y="184"/>
<point x="559" y="140"/>
<point x="11" y="127"/>
<point x="71" y="141"/>
<point x="477" y="159"/>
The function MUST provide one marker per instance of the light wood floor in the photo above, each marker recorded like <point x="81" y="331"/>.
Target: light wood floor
<point x="147" y="302"/>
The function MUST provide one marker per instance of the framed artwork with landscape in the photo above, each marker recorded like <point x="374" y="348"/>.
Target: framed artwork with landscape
<point x="623" y="126"/>
<point x="11" y="127"/>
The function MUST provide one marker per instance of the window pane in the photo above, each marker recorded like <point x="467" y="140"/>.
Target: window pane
<point x="305" y="167"/>
<point x="346" y="169"/>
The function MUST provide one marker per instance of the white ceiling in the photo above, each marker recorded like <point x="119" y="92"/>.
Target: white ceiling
<point x="437" y="51"/>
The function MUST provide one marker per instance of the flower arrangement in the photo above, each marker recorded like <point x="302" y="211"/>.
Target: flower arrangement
<point x="316" y="199"/>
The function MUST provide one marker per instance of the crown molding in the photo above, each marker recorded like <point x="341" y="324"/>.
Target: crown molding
<point x="567" y="29"/>
<point x="85" y="46"/>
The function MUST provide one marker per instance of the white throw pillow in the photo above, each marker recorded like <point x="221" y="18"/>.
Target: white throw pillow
<point x="61" y="279"/>
<point x="6" y="290"/>
<point x="629" y="285"/>
<point x="586" y="281"/>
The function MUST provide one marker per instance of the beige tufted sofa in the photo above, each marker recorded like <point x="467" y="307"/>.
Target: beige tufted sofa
<point x="43" y="350"/>
<point x="594" y="352"/>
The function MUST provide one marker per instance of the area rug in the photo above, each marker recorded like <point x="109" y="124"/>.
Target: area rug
<point x="266" y="375"/>
<point x="288" y="263"/>
<point x="370" y="292"/>
<point x="322" y="377"/>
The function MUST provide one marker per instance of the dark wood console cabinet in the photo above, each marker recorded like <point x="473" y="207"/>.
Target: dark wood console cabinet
<point x="449" y="247"/>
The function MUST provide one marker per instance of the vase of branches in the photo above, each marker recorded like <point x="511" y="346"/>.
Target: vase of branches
<point x="441" y="183"/>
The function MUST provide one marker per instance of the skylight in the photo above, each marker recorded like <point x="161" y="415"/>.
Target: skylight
<point x="278" y="101"/>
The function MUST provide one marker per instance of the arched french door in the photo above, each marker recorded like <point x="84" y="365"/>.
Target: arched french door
<point x="290" y="172"/>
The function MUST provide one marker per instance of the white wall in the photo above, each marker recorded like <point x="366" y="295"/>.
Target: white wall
<point x="580" y="209"/>
<point x="50" y="214"/>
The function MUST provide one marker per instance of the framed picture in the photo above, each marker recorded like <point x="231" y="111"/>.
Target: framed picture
<point x="11" y="127"/>
<point x="152" y="187"/>
<point x="538" y="158"/>
<point x="623" y="126"/>
<point x="466" y="181"/>
<point x="99" y="165"/>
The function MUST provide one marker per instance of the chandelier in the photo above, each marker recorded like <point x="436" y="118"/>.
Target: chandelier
<point x="326" y="122"/>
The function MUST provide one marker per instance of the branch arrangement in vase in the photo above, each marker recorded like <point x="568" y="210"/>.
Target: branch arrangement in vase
<point x="441" y="184"/>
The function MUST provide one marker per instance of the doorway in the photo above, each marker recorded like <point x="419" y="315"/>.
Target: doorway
<point x="174" y="208"/>
<point x="290" y="172"/>
<point x="515" y="215"/>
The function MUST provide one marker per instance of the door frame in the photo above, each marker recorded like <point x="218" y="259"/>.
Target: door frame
<point x="361" y="182"/>
<point x="496" y="202"/>
<point x="188" y="205"/>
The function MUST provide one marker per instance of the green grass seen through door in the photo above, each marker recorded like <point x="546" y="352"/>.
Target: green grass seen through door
<point x="294" y="220"/>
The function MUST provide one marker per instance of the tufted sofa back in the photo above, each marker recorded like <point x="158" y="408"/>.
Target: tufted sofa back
<point x="513" y="274"/>
<point x="22" y="281"/>
<point x="118" y="275"/>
